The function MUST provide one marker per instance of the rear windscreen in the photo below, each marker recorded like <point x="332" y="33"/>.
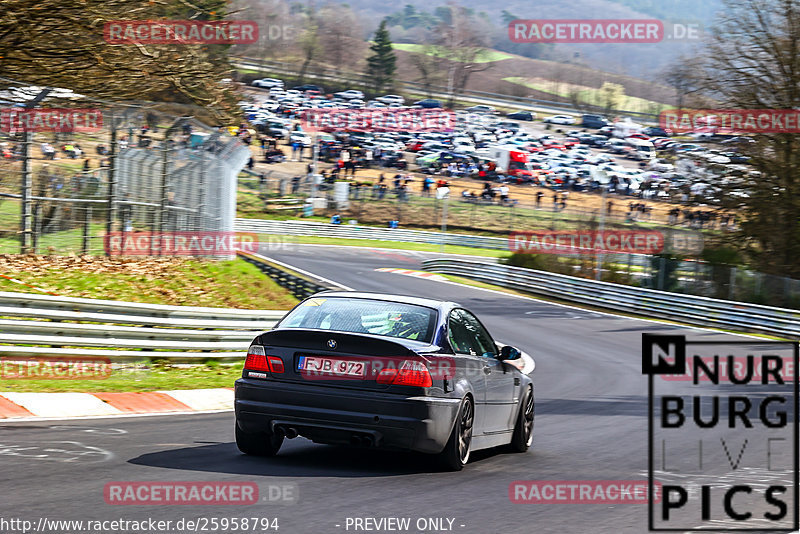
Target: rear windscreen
<point x="364" y="316"/>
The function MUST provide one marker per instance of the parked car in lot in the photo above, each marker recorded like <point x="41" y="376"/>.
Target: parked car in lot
<point x="428" y="103"/>
<point x="593" y="121"/>
<point x="384" y="371"/>
<point x="521" y="115"/>
<point x="560" y="119"/>
<point x="267" y="82"/>
<point x="480" y="108"/>
<point x="350" y="94"/>
<point x="308" y="87"/>
<point x="391" y="99"/>
<point x="655" y="131"/>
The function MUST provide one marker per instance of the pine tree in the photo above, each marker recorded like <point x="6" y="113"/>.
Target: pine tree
<point x="381" y="65"/>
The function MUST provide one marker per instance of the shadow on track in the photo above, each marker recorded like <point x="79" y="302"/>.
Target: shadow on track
<point x="298" y="458"/>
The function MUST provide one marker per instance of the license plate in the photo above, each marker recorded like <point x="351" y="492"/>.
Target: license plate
<point x="331" y="367"/>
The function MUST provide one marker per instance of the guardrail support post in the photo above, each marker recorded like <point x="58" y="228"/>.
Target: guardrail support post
<point x="662" y="265"/>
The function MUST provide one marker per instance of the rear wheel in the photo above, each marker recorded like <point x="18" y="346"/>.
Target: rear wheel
<point x="456" y="453"/>
<point x="258" y="443"/>
<point x="523" y="431"/>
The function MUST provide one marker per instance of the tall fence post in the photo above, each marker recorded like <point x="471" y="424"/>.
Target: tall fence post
<point x="87" y="223"/>
<point x="27" y="185"/>
<point x="37" y="226"/>
<point x="662" y="267"/>
<point x="162" y="210"/>
<point x="112" y="180"/>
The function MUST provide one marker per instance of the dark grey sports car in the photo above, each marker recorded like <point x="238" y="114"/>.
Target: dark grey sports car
<point x="386" y="371"/>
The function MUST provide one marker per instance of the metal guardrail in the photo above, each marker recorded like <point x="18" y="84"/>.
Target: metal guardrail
<point x="349" y="231"/>
<point x="689" y="309"/>
<point x="75" y="304"/>
<point x="40" y="325"/>
<point x="301" y="284"/>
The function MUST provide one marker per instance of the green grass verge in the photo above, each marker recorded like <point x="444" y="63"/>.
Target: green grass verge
<point x="588" y="95"/>
<point x="191" y="282"/>
<point x="141" y="377"/>
<point x="483" y="56"/>
<point x="400" y="245"/>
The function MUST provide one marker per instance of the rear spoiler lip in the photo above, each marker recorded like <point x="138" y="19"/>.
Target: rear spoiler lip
<point x="408" y="345"/>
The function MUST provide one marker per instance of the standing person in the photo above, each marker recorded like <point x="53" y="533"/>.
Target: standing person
<point x="555" y="201"/>
<point x="609" y="208"/>
<point x="503" y="190"/>
<point x="564" y="196"/>
<point x="48" y="151"/>
<point x="426" y="186"/>
<point x="539" y="195"/>
<point x="126" y="214"/>
<point x="86" y="166"/>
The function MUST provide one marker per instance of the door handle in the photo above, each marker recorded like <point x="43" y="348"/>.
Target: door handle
<point x="487" y="369"/>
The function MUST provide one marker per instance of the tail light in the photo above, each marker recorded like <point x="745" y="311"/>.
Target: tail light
<point x="275" y="364"/>
<point x="257" y="360"/>
<point x="410" y="373"/>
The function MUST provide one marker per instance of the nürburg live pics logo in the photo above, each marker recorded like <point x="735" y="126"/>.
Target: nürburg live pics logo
<point x="722" y="434"/>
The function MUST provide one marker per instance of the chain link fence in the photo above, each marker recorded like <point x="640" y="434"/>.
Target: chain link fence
<point x="150" y="168"/>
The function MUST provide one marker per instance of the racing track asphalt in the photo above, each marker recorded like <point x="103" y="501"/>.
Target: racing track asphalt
<point x="591" y="407"/>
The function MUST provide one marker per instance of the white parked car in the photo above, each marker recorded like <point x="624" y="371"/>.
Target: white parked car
<point x="350" y="94"/>
<point x="391" y="99"/>
<point x="560" y="119"/>
<point x="267" y="82"/>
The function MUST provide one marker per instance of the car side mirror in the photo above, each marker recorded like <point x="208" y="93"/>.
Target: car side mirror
<point x="509" y="353"/>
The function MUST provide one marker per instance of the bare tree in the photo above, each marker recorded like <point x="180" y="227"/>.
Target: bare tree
<point x="462" y="44"/>
<point x="309" y="41"/>
<point x="685" y="76"/>
<point x="340" y="33"/>
<point x="61" y="43"/>
<point x="753" y="62"/>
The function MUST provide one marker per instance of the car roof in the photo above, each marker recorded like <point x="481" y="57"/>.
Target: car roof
<point x="405" y="299"/>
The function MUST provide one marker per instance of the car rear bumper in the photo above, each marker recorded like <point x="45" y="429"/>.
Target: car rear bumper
<point x="336" y="415"/>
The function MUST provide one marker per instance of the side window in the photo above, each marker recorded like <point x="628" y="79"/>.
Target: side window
<point x="458" y="334"/>
<point x="482" y="340"/>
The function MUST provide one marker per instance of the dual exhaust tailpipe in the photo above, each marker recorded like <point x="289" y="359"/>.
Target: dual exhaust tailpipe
<point x="288" y="431"/>
<point x="359" y="440"/>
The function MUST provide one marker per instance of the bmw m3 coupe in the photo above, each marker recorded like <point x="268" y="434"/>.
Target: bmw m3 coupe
<point x="385" y="371"/>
